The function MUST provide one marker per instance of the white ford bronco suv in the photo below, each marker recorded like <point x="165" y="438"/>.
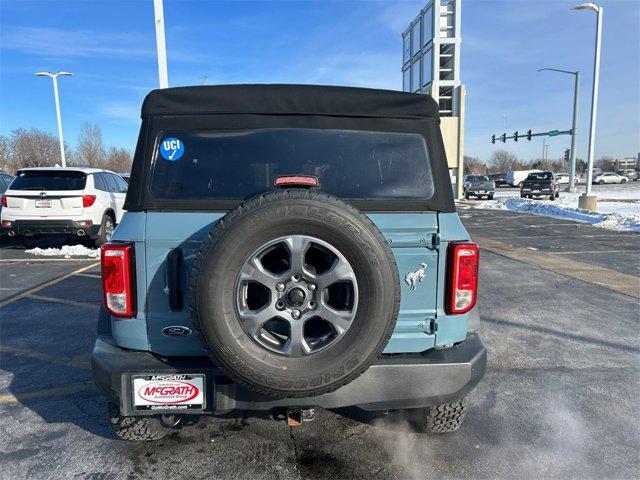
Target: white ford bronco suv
<point x="287" y="247"/>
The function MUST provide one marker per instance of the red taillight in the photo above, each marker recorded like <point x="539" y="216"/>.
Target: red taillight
<point x="119" y="279"/>
<point x="463" y="263"/>
<point x="88" y="200"/>
<point x="296" y="181"/>
<point x="4" y="200"/>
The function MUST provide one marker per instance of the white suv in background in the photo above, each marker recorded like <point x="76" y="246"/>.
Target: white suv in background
<point x="73" y="200"/>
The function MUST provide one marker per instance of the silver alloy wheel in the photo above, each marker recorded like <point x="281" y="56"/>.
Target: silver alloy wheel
<point x="296" y="295"/>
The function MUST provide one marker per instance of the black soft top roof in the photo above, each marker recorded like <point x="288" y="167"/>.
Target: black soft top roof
<point x="281" y="99"/>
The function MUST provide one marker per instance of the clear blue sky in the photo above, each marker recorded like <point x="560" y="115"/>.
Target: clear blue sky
<point x="110" y="47"/>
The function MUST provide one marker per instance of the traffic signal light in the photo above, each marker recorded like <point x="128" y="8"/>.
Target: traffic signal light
<point x="503" y="138"/>
<point x="529" y="135"/>
<point x="567" y="154"/>
<point x="493" y="139"/>
<point x="515" y="136"/>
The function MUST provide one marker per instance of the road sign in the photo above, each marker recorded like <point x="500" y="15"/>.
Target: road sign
<point x="553" y="133"/>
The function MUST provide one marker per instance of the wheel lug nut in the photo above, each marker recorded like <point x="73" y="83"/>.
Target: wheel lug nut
<point x="312" y="286"/>
<point x="280" y="287"/>
<point x="295" y="314"/>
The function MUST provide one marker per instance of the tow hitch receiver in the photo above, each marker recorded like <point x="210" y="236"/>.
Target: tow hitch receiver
<point x="296" y="417"/>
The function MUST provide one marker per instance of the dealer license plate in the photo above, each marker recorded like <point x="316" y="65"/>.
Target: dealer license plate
<point x="43" y="203"/>
<point x="169" y="392"/>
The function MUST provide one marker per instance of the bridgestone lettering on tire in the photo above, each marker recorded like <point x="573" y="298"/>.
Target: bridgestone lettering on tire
<point x="295" y="293"/>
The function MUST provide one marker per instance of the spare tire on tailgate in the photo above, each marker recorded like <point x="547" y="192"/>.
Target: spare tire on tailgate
<point x="295" y="293"/>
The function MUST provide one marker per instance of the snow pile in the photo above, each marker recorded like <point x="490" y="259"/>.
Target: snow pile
<point x="618" y="206"/>
<point x="66" y="251"/>
<point x="628" y="219"/>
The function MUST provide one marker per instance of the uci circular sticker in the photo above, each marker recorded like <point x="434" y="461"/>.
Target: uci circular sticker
<point x="171" y="149"/>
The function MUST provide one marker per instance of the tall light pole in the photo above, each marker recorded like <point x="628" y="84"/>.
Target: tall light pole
<point x="587" y="200"/>
<point x="161" y="45"/>
<point x="572" y="162"/>
<point x="54" y="77"/>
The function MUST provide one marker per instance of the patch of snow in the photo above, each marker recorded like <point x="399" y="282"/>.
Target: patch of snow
<point x="613" y="221"/>
<point x="618" y="206"/>
<point x="66" y="251"/>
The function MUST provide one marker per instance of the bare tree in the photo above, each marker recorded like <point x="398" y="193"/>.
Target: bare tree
<point x="557" y="165"/>
<point x="31" y="148"/>
<point x="502" y="161"/>
<point x="606" y="164"/>
<point x="6" y="163"/>
<point x="118" y="160"/>
<point x="90" y="150"/>
<point x="473" y="166"/>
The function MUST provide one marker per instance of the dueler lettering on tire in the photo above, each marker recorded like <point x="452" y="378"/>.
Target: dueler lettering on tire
<point x="294" y="293"/>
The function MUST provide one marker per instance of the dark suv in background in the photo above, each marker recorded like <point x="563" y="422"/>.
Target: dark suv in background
<point x="478" y="186"/>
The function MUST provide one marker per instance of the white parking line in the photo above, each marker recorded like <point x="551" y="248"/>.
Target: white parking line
<point x="64" y="301"/>
<point x="45" y="285"/>
<point x="38" y="260"/>
<point x="597" y="275"/>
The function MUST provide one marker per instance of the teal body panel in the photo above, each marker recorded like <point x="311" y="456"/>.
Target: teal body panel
<point x="413" y="238"/>
<point x="410" y="236"/>
<point x="166" y="231"/>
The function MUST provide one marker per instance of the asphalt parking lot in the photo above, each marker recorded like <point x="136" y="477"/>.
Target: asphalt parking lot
<point x="560" y="310"/>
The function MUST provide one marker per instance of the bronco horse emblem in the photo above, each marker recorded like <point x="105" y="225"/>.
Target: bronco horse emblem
<point x="418" y="275"/>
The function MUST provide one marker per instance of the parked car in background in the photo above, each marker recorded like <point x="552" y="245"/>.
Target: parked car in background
<point x="478" y="186"/>
<point x="71" y="201"/>
<point x="630" y="174"/>
<point x="125" y="177"/>
<point x="563" y="179"/>
<point x="516" y="178"/>
<point x="499" y="179"/>
<point x="609" y="177"/>
<point x="540" y="184"/>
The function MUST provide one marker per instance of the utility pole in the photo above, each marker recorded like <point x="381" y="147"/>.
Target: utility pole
<point x="54" y="77"/>
<point x="544" y="149"/>
<point x="574" y="125"/>
<point x="161" y="45"/>
<point x="587" y="200"/>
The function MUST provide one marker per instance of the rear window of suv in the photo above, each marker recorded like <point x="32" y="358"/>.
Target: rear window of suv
<point x="240" y="164"/>
<point x="49" y="180"/>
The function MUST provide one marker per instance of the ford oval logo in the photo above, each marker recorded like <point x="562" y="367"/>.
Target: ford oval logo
<point x="176" y="331"/>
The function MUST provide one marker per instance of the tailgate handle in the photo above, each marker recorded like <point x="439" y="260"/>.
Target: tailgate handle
<point x="174" y="261"/>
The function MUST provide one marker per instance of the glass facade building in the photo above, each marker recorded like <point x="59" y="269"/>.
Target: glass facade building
<point x="431" y="53"/>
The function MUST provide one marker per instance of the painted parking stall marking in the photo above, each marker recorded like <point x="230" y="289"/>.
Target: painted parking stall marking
<point x="169" y="392"/>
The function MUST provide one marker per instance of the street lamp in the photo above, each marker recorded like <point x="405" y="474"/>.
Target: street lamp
<point x="572" y="162"/>
<point x="54" y="77"/>
<point x="587" y="200"/>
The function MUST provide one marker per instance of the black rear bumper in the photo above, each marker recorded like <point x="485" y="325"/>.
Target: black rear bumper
<point x="393" y="382"/>
<point x="45" y="227"/>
